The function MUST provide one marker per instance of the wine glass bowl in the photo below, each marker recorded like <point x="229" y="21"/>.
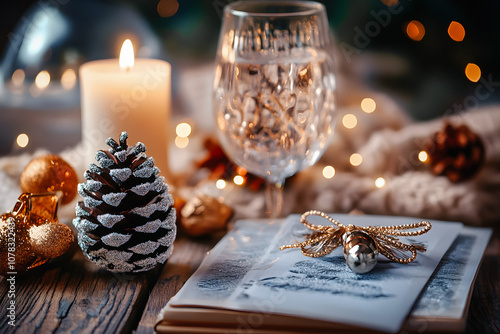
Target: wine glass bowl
<point x="274" y="88"/>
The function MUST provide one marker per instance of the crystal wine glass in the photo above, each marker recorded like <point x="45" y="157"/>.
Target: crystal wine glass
<point x="274" y="89"/>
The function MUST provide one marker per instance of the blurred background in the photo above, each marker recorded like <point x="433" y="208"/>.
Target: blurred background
<point x="432" y="57"/>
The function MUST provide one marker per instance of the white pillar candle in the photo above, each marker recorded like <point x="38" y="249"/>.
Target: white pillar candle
<point x="126" y="95"/>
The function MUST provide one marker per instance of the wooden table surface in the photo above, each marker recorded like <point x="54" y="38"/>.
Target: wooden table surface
<point x="73" y="295"/>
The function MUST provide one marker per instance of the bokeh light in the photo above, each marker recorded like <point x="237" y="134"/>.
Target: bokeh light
<point x="415" y="30"/>
<point x="328" y="172"/>
<point x="42" y="80"/>
<point x="390" y="3"/>
<point x="238" y="180"/>
<point x="181" y="142"/>
<point x="68" y="79"/>
<point x="349" y="121"/>
<point x="356" y="159"/>
<point x="167" y="8"/>
<point x="379" y="182"/>
<point x="368" y="105"/>
<point x="22" y="140"/>
<point x="456" y="31"/>
<point x="422" y="156"/>
<point x="473" y="72"/>
<point x="18" y="77"/>
<point x="220" y="184"/>
<point x="183" y="130"/>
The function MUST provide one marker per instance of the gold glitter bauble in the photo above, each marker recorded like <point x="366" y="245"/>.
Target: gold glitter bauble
<point x="30" y="234"/>
<point x="50" y="240"/>
<point x="204" y="214"/>
<point x="17" y="255"/>
<point x="50" y="173"/>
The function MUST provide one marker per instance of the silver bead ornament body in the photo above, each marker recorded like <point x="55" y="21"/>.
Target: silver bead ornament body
<point x="360" y="251"/>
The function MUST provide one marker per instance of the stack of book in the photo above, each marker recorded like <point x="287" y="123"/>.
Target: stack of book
<point x="247" y="285"/>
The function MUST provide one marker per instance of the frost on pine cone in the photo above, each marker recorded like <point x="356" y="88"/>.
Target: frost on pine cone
<point x="126" y="222"/>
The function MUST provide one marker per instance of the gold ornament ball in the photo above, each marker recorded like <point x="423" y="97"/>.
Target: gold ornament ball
<point x="204" y="215"/>
<point x="24" y="255"/>
<point x="50" y="173"/>
<point x="50" y="240"/>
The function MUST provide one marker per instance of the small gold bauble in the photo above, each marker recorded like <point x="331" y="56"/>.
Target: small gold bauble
<point x="204" y="215"/>
<point x="50" y="240"/>
<point x="50" y="173"/>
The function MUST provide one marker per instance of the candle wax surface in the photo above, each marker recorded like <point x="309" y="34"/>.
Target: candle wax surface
<point x="136" y="100"/>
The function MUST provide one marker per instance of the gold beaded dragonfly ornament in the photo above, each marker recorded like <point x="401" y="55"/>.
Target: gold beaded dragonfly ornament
<point x="361" y="244"/>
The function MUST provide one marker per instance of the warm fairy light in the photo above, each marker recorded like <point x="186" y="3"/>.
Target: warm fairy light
<point x="68" y="79"/>
<point x="167" y="8"/>
<point x="368" y="105"/>
<point x="415" y="30"/>
<point x="473" y="72"/>
<point x="238" y="180"/>
<point x="349" y="121"/>
<point x="422" y="156"/>
<point x="18" y="77"/>
<point x="42" y="80"/>
<point x="181" y="142"/>
<point x="127" y="55"/>
<point x="183" y="130"/>
<point x="22" y="140"/>
<point x="356" y="159"/>
<point x="328" y="172"/>
<point x="379" y="182"/>
<point x="456" y="31"/>
<point x="220" y="184"/>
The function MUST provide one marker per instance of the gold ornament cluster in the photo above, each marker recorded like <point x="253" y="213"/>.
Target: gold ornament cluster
<point x="31" y="234"/>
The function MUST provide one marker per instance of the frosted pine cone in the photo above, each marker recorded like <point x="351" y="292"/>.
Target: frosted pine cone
<point x="126" y="222"/>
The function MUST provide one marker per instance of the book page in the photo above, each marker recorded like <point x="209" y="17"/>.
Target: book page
<point x="247" y="271"/>
<point x="445" y="296"/>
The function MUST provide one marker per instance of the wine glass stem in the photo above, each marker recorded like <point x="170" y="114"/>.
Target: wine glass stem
<point x="274" y="198"/>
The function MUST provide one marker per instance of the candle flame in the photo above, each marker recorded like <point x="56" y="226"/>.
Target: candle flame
<point x="127" y="55"/>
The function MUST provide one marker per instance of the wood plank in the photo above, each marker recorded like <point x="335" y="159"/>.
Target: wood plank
<point x="74" y="295"/>
<point x="186" y="258"/>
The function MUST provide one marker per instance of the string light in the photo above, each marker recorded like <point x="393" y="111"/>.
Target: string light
<point x="181" y="142"/>
<point x="422" y="156"/>
<point x="349" y="121"/>
<point x="183" y="130"/>
<point x="380" y="182"/>
<point x="356" y="159"/>
<point x="368" y="105"/>
<point x="415" y="30"/>
<point x="328" y="172"/>
<point x="220" y="184"/>
<point x="456" y="31"/>
<point x="238" y="180"/>
<point x="42" y="80"/>
<point x="473" y="72"/>
<point x="22" y="140"/>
